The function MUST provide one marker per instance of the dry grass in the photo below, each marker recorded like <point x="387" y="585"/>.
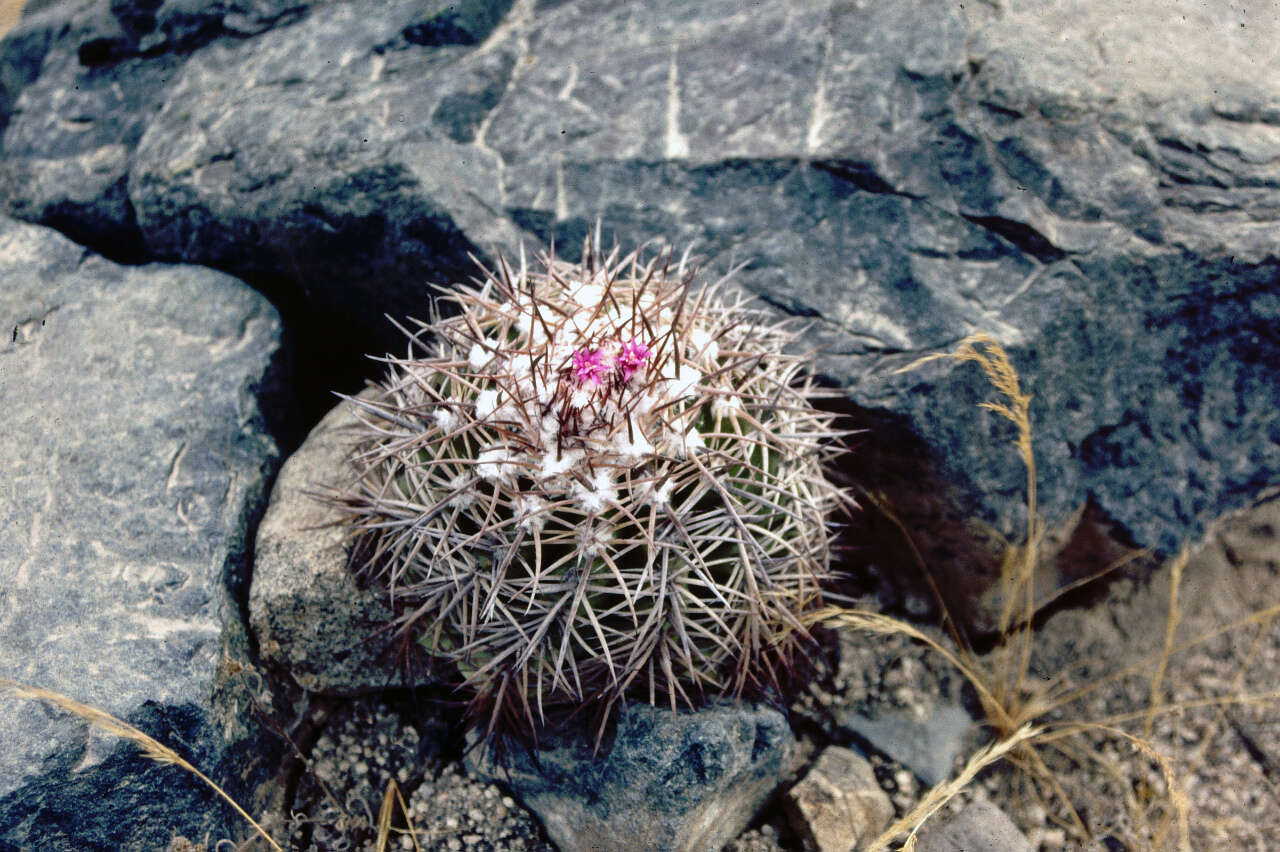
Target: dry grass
<point x="151" y="747"/>
<point x="1030" y="718"/>
<point x="10" y="12"/>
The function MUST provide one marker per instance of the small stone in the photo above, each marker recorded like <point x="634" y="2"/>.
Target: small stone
<point x="838" y="805"/>
<point x="677" y="781"/>
<point x="927" y="747"/>
<point x="981" y="827"/>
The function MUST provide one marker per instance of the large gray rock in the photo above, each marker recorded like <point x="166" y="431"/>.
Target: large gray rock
<point x="309" y="616"/>
<point x="1094" y="182"/>
<point x="136" y="453"/>
<point x="686" y="781"/>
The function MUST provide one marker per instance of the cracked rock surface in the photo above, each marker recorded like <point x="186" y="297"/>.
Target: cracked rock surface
<point x="135" y="457"/>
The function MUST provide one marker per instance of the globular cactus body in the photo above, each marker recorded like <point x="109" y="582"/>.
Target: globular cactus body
<point x="595" y="481"/>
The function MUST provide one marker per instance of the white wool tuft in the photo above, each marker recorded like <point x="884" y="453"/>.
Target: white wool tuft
<point x="445" y="419"/>
<point x="486" y="402"/>
<point x="552" y="466"/>
<point x="495" y="465"/>
<point x="726" y="405"/>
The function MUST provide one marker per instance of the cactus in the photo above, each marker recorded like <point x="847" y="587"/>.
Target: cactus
<point x="595" y="481"/>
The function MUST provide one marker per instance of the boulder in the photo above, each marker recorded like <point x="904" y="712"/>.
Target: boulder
<point x="898" y="174"/>
<point x="681" y="781"/>
<point x="309" y="616"/>
<point x="142" y="406"/>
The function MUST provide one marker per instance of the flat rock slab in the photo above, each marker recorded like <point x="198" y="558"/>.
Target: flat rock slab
<point x="135" y="457"/>
<point x="310" y="617"/>
<point x="686" y="781"/>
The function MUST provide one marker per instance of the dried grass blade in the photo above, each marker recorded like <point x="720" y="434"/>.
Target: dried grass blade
<point x="152" y="748"/>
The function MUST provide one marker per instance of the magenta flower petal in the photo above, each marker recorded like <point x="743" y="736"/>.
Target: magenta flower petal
<point x="633" y="356"/>
<point x="591" y="366"/>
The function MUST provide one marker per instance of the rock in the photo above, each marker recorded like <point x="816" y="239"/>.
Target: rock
<point x="142" y="405"/>
<point x="212" y="182"/>
<point x="309" y="616"/>
<point x="686" y="781"/>
<point x="928" y="747"/>
<point x="902" y="174"/>
<point x="980" y="827"/>
<point x="838" y="806"/>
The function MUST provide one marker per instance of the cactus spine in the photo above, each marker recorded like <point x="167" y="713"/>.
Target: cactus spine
<point x="594" y="481"/>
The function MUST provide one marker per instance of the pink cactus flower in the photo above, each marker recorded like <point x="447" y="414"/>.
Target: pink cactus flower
<point x="591" y="367"/>
<point x="633" y="356"/>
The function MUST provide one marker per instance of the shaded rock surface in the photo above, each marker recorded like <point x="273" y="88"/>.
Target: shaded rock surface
<point x="136" y="456"/>
<point x="307" y="612"/>
<point x="900" y="174"/>
<point x="686" y="781"/>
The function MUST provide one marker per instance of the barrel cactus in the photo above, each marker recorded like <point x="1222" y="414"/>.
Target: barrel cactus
<point x="595" y="481"/>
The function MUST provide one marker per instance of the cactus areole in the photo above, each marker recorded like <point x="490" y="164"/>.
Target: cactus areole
<point x="596" y="481"/>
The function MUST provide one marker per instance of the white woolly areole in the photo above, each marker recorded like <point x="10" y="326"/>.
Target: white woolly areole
<point x="531" y="512"/>
<point x="727" y="405"/>
<point x="495" y="465"/>
<point x="634" y="446"/>
<point x="594" y="540"/>
<point x="486" y="402"/>
<point x="589" y="295"/>
<point x="702" y="342"/>
<point x="549" y="430"/>
<point x="445" y="419"/>
<point x="661" y="495"/>
<point x="552" y="466"/>
<point x="478" y="357"/>
<point x="643" y="403"/>
<point x="580" y="398"/>
<point x="688" y="443"/>
<point x="683" y="382"/>
<point x="601" y="493"/>
<point x="463" y="498"/>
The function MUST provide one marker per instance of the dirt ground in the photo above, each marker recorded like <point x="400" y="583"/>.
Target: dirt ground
<point x="1221" y="749"/>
